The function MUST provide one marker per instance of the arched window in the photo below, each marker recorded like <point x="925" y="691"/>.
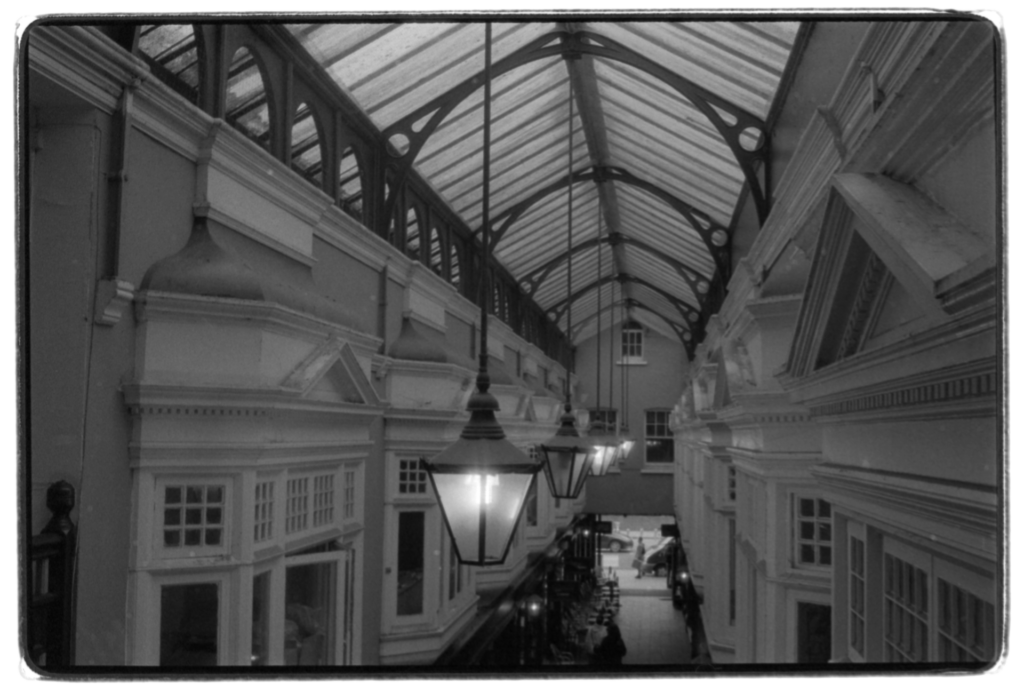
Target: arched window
<point x="246" y="108"/>
<point x="436" y="252"/>
<point x="412" y="234"/>
<point x="454" y="273"/>
<point x="350" y="184"/>
<point x="306" y="156"/>
<point x="172" y="52"/>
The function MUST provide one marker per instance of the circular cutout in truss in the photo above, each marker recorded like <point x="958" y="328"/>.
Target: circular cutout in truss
<point x="702" y="286"/>
<point x="701" y="219"/>
<point x="693" y="316"/>
<point x="687" y="336"/>
<point x="752" y="138"/>
<point x="719" y="238"/>
<point x="398" y="145"/>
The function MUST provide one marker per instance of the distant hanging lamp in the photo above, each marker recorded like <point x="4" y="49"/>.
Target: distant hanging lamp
<point x="567" y="456"/>
<point x="605" y="443"/>
<point x="482" y="480"/>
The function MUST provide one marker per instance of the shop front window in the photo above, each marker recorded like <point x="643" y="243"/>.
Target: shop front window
<point x="260" y="619"/>
<point x="188" y="625"/>
<point x="410" y="563"/>
<point x="310" y="611"/>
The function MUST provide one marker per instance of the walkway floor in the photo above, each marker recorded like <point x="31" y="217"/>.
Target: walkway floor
<point x="654" y="631"/>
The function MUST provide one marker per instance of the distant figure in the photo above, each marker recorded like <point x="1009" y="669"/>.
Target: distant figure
<point x="611" y="649"/>
<point x="638" y="559"/>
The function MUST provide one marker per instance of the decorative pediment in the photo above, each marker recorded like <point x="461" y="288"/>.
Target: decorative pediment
<point x="885" y="256"/>
<point x="332" y="373"/>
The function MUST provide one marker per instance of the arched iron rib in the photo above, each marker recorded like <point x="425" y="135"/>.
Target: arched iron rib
<point x="538" y="276"/>
<point x="703" y="224"/>
<point x="680" y="330"/>
<point x="571" y="43"/>
<point x="682" y="307"/>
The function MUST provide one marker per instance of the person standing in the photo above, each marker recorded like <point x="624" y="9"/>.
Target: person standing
<point x="638" y="558"/>
<point x="611" y="649"/>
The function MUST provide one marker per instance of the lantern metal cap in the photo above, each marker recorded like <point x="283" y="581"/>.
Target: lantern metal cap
<point x="567" y="437"/>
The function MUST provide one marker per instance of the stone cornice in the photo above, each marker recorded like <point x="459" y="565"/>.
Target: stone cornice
<point x="236" y="455"/>
<point x="763" y="408"/>
<point x="964" y="512"/>
<point x="791" y="466"/>
<point x="234" y="402"/>
<point x="384" y="365"/>
<point x="959" y="391"/>
<point x="85" y="62"/>
<point x="946" y="345"/>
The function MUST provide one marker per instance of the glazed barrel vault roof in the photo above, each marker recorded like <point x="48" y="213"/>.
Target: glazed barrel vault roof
<point x="668" y="129"/>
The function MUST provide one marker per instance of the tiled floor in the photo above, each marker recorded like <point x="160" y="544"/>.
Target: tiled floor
<point x="654" y="631"/>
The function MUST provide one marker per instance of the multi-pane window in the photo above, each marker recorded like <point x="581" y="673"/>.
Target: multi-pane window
<point x="412" y="477"/>
<point x="857" y="595"/>
<point x="658" y="442"/>
<point x="323" y="500"/>
<point x="730" y="483"/>
<point x="813" y="532"/>
<point x="309" y="503"/>
<point x="632" y="341"/>
<point x="905" y="634"/>
<point x="193" y="515"/>
<point x="263" y="525"/>
<point x="966" y="625"/>
<point x="348" y="508"/>
<point x="297" y="507"/>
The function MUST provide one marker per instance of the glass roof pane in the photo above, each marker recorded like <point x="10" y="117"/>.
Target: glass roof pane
<point x="632" y="121"/>
<point x="738" y="62"/>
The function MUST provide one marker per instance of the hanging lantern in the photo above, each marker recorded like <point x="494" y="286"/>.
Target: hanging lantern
<point x="625" y="446"/>
<point x="481" y="482"/>
<point x="606" y="449"/>
<point x="567" y="458"/>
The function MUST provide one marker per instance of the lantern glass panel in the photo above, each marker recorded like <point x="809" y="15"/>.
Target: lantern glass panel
<point x="476" y="502"/>
<point x="566" y="468"/>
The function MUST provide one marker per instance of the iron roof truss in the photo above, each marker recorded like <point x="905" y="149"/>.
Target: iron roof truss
<point x="571" y="44"/>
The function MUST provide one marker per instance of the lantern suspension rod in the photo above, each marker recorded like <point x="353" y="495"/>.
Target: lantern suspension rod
<point x="611" y="354"/>
<point x="485" y="282"/>
<point x="622" y="360"/>
<point x="597" y="368"/>
<point x="568" y="243"/>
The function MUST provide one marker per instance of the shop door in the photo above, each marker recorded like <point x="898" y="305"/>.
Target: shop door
<point x="814" y="633"/>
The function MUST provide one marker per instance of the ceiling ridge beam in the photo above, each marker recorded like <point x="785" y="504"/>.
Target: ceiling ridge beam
<point x="595" y="132"/>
